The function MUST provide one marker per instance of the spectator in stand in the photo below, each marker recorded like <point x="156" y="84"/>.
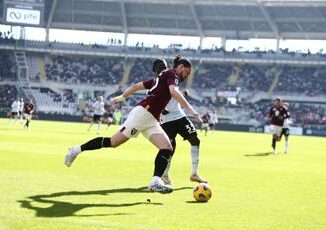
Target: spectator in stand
<point x="80" y="70"/>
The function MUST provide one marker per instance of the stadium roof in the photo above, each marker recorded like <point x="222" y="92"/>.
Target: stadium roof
<point x="236" y="19"/>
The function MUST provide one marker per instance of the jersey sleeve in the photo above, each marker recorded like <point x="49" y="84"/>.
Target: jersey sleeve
<point x="148" y="84"/>
<point x="270" y="113"/>
<point x="171" y="79"/>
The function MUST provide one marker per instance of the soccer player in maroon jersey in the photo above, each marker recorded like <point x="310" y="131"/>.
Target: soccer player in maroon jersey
<point x="145" y="118"/>
<point x="277" y="113"/>
<point x="28" y="111"/>
<point x="206" y="118"/>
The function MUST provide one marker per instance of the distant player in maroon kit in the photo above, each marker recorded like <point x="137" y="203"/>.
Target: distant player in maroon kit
<point x="278" y="113"/>
<point x="110" y="113"/>
<point x="28" y="111"/>
<point x="145" y="118"/>
<point x="205" y="126"/>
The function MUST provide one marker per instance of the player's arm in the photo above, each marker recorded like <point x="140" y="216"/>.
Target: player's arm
<point x="270" y="113"/>
<point x="176" y="94"/>
<point x="132" y="89"/>
<point x="33" y="108"/>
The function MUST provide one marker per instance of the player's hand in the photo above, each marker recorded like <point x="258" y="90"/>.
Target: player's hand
<point x="165" y="112"/>
<point x="117" y="99"/>
<point x="197" y="117"/>
<point x="185" y="93"/>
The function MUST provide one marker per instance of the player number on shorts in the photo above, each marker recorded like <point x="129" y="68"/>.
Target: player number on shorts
<point x="190" y="128"/>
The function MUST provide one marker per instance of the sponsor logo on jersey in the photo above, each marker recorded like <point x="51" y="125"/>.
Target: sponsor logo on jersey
<point x="134" y="131"/>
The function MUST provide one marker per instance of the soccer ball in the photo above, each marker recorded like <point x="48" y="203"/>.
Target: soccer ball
<point x="202" y="192"/>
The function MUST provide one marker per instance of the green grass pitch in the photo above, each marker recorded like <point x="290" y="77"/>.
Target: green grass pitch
<point x="106" y="189"/>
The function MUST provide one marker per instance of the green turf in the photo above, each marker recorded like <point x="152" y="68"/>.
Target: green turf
<point x="105" y="189"/>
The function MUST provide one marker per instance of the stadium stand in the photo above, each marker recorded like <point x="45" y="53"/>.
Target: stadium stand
<point x="141" y="70"/>
<point x="310" y="81"/>
<point x="212" y="75"/>
<point x="50" y="102"/>
<point x="7" y="66"/>
<point x="77" y="70"/>
<point x="8" y="93"/>
<point x="82" y="70"/>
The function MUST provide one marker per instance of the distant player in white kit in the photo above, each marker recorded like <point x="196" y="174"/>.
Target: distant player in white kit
<point x="174" y="121"/>
<point x="21" y="109"/>
<point x="286" y="130"/>
<point x="213" y="120"/>
<point x="98" y="108"/>
<point x="14" y="110"/>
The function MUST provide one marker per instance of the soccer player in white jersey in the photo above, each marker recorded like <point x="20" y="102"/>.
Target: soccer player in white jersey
<point x="213" y="120"/>
<point x="174" y="121"/>
<point x="286" y="129"/>
<point x="21" y="109"/>
<point x="98" y="108"/>
<point x="14" y="110"/>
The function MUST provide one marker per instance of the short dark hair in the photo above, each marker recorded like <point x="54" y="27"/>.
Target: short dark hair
<point x="178" y="60"/>
<point x="159" y="65"/>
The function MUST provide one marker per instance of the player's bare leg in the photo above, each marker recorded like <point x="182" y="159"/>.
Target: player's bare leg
<point x="96" y="143"/>
<point x="26" y="126"/>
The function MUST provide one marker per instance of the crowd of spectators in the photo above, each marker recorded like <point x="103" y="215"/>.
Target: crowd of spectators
<point x="212" y="75"/>
<point x="294" y="79"/>
<point x="48" y="101"/>
<point x="8" y="93"/>
<point x="141" y="70"/>
<point x="7" y="66"/>
<point x="84" y="70"/>
<point x="256" y="77"/>
<point x="306" y="80"/>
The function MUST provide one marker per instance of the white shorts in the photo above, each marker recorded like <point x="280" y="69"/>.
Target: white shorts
<point x="27" y="116"/>
<point x="140" y="120"/>
<point x="276" y="130"/>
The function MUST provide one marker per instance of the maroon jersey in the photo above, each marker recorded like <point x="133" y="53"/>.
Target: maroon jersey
<point x="205" y="118"/>
<point x="278" y="114"/>
<point x="159" y="94"/>
<point x="28" y="108"/>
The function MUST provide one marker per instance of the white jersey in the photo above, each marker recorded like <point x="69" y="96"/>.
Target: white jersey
<point x="213" y="118"/>
<point x="21" y="106"/>
<point x="15" y="107"/>
<point x="98" y="108"/>
<point x="175" y="111"/>
<point x="287" y="123"/>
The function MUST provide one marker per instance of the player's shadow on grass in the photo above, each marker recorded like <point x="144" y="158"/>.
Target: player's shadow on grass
<point x="195" y="202"/>
<point x="64" y="209"/>
<point x="258" y="154"/>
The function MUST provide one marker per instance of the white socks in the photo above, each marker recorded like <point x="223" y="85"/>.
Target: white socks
<point x="90" y="126"/>
<point x="166" y="171"/>
<point x="98" y="127"/>
<point x="194" y="159"/>
<point x="286" y="146"/>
